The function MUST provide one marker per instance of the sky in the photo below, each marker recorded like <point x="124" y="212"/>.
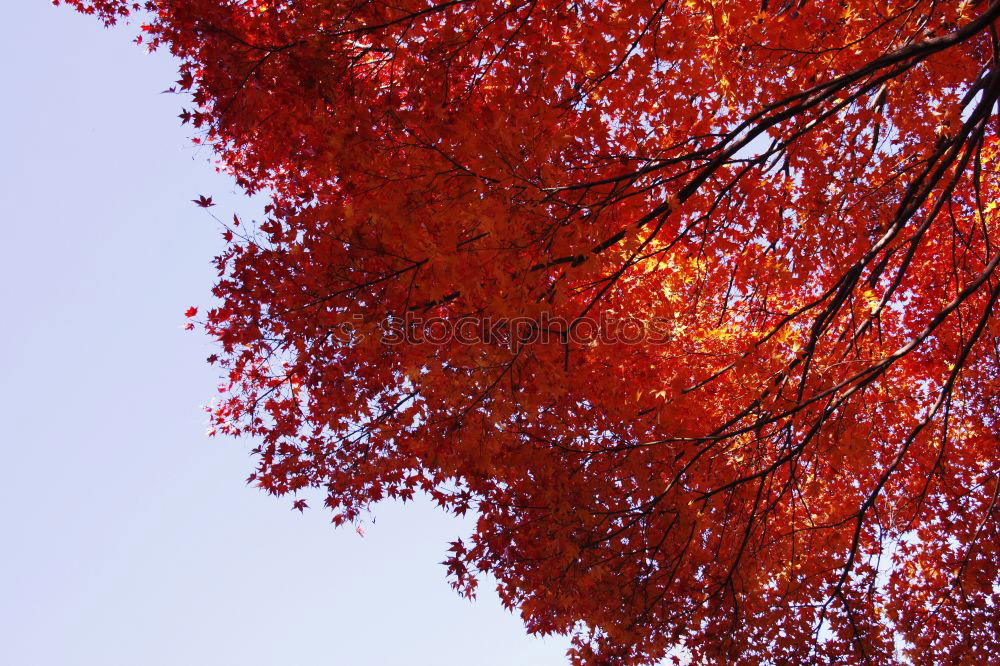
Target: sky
<point x="128" y="536"/>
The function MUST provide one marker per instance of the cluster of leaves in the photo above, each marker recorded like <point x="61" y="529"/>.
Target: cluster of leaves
<point x="805" y="190"/>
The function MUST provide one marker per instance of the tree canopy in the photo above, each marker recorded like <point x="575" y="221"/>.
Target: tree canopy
<point x="692" y="303"/>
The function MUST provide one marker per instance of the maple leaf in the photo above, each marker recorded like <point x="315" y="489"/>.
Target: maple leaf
<point x="203" y="201"/>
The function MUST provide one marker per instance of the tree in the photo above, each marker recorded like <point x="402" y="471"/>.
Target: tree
<point x="693" y="303"/>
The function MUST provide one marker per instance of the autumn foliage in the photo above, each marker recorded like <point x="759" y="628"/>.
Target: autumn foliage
<point x="801" y="196"/>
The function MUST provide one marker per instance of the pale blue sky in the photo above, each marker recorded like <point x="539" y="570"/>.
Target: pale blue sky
<point x="129" y="538"/>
